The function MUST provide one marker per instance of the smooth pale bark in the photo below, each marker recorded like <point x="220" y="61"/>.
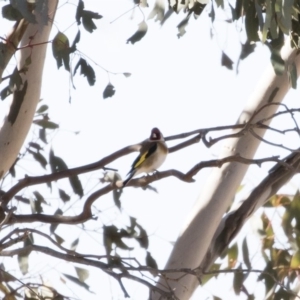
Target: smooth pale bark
<point x="19" y="119"/>
<point x="219" y="190"/>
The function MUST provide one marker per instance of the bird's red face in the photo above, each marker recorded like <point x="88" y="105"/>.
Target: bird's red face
<point x="155" y="134"/>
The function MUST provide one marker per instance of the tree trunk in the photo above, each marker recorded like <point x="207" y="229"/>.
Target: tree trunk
<point x="219" y="190"/>
<point x="19" y="119"/>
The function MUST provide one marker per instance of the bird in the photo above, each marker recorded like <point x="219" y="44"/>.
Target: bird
<point x="153" y="153"/>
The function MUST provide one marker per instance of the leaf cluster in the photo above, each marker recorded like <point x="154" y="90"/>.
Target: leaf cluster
<point x="281" y="258"/>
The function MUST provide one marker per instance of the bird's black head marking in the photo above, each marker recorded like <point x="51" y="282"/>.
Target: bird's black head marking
<point x="155" y="134"/>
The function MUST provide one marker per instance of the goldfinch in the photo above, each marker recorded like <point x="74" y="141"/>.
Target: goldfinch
<point x="153" y="153"/>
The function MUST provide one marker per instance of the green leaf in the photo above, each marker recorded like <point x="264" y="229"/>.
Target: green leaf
<point x="214" y="267"/>
<point x="281" y="258"/>
<point x="27" y="61"/>
<point x="277" y="201"/>
<point x="295" y="207"/>
<point x="3" y="50"/>
<point x="42" y="135"/>
<point x="238" y="10"/>
<point x="77" y="281"/>
<point x="87" y="20"/>
<point x="273" y="29"/>
<point x="82" y="274"/>
<point x="76" y="185"/>
<point x="268" y="240"/>
<point x="277" y="62"/>
<point x="251" y="22"/>
<point x="212" y="13"/>
<point x="233" y="12"/>
<point x="182" y="26"/>
<point x="36" y="146"/>
<point x="150" y="262"/>
<point x="158" y="11"/>
<point x="246" y="254"/>
<point x="10" y="13"/>
<point x="282" y="294"/>
<point x="199" y="7"/>
<point x="285" y="21"/>
<point x="42" y="109"/>
<point x="12" y="170"/>
<point x="116" y="196"/>
<point x="63" y="195"/>
<point x="108" y="233"/>
<point x="238" y="280"/>
<point x="86" y="70"/>
<point x="56" y="163"/>
<point x="15" y="81"/>
<point x="265" y="276"/>
<point x="86" y="17"/>
<point x="23" y="258"/>
<point x="292" y="74"/>
<point x="32" y="206"/>
<point x="5" y="92"/>
<point x="142" y="238"/>
<point x="41" y="7"/>
<point x="109" y="91"/>
<point x="111" y="235"/>
<point x="39" y="197"/>
<point x="58" y="238"/>
<point x="5" y="276"/>
<point x="36" y="204"/>
<point x="226" y="61"/>
<point x="268" y="17"/>
<point x="25" y="9"/>
<point x="23" y="263"/>
<point x="120" y="244"/>
<point x="74" y="244"/>
<point x="220" y="3"/>
<point x="232" y="255"/>
<point x="61" y="50"/>
<point x="29" y="240"/>
<point x="53" y="226"/>
<point x="22" y="199"/>
<point x="39" y="158"/>
<point x="132" y="222"/>
<point x="79" y="11"/>
<point x="18" y="99"/>
<point x="76" y="40"/>
<point x="46" y="124"/>
<point x="139" y="34"/>
<point x="246" y="50"/>
<point x="141" y="3"/>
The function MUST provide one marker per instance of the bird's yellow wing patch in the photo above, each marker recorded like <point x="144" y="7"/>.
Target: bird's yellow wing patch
<point x="140" y="160"/>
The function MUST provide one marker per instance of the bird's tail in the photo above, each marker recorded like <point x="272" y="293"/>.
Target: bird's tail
<point x="130" y="175"/>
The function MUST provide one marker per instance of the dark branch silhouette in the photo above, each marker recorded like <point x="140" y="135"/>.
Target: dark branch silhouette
<point x="86" y="213"/>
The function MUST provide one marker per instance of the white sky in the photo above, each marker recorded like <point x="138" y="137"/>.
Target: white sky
<point x="177" y="85"/>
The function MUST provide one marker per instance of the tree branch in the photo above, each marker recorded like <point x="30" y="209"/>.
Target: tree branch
<point x="233" y="221"/>
<point x="77" y="258"/>
<point x="86" y="213"/>
<point x="102" y="163"/>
